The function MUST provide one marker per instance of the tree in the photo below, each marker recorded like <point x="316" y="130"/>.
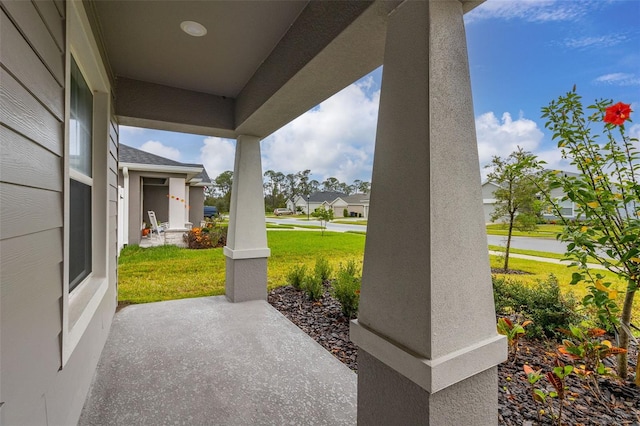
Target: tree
<point x="323" y="215"/>
<point x="291" y="186"/>
<point x="303" y="182"/>
<point x="274" y="196"/>
<point x="516" y="177"/>
<point x="607" y="193"/>
<point x="362" y="187"/>
<point x="330" y="184"/>
<point x="222" y="187"/>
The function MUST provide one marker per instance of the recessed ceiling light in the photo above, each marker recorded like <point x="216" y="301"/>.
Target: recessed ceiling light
<point x="193" y="28"/>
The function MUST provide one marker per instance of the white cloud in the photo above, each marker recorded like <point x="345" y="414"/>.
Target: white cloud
<point x="217" y="155"/>
<point x="619" y="79"/>
<point x="599" y="41"/>
<point x="158" y="148"/>
<point x="531" y="10"/>
<point x="502" y="137"/>
<point x="335" y="138"/>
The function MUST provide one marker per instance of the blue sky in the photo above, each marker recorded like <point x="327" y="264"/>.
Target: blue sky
<point x="522" y="54"/>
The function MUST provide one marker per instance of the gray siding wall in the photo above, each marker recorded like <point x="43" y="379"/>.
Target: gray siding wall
<point x="32" y="387"/>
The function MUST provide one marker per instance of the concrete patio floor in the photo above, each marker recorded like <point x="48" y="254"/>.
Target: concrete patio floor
<point x="206" y="361"/>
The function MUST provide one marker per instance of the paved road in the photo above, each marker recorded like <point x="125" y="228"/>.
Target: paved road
<point x="527" y="243"/>
<point x="523" y="243"/>
<point x="337" y="227"/>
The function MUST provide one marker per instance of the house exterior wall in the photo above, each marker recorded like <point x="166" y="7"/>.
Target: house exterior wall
<point x="155" y="198"/>
<point x="196" y="201"/>
<point x="35" y="387"/>
<point x="358" y="210"/>
<point x="488" y="200"/>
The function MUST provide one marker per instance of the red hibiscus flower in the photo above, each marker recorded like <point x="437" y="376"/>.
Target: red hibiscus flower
<point x="617" y="114"/>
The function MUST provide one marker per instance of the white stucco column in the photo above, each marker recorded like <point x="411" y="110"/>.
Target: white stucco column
<point x="176" y="205"/>
<point x="246" y="249"/>
<point x="426" y="328"/>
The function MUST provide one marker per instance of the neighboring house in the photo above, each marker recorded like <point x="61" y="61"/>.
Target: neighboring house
<point x="488" y="200"/>
<point x="314" y="201"/>
<point x="356" y="205"/>
<point x="490" y="203"/>
<point x="173" y="190"/>
<point x="73" y="71"/>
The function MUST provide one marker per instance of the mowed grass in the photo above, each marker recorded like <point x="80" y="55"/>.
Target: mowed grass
<point x="542" y="231"/>
<point x="168" y="272"/>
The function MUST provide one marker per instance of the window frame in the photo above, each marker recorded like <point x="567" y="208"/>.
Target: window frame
<point x="80" y="305"/>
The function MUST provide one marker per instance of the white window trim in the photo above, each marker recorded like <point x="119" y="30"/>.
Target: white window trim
<point x="79" y="307"/>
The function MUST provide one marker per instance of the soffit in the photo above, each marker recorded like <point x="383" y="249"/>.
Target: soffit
<point x="143" y="40"/>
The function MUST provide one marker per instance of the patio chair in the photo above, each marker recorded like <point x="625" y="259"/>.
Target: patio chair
<point x="156" y="228"/>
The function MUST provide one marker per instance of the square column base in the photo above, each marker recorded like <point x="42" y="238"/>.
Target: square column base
<point x="387" y="397"/>
<point x="246" y="279"/>
<point x="175" y="237"/>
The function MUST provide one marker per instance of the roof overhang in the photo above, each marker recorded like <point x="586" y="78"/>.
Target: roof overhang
<point x="190" y="172"/>
<point x="249" y="74"/>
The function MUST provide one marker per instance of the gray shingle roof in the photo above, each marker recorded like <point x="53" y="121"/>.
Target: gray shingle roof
<point x="322" y="196"/>
<point x="356" y="198"/>
<point x="127" y="154"/>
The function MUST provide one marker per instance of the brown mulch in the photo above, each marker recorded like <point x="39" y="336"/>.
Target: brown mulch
<point x="618" y="405"/>
<point x="509" y="271"/>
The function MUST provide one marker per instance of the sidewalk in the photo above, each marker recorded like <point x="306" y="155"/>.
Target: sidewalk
<point x="543" y="259"/>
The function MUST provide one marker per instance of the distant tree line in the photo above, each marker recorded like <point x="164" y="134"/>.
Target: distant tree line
<point x="279" y="187"/>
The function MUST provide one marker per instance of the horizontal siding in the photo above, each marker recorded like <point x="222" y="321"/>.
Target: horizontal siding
<point x="31" y="207"/>
<point x="21" y="61"/>
<point x="20" y="111"/>
<point x="25" y="210"/>
<point x="60" y="6"/>
<point x="113" y="164"/>
<point x="113" y="137"/>
<point x="52" y="19"/>
<point x="31" y="272"/>
<point x="26" y="17"/>
<point x="24" y="162"/>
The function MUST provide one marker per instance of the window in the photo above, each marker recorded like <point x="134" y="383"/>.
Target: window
<point x="88" y="270"/>
<point x="80" y="177"/>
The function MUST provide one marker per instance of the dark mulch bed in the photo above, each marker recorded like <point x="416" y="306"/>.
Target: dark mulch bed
<point x="509" y="271"/>
<point x="620" y="404"/>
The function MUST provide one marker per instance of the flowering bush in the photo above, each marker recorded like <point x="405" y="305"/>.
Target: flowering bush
<point x="198" y="238"/>
<point x="607" y="196"/>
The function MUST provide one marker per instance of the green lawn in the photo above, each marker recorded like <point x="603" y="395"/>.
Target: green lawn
<point x="165" y="273"/>
<point x="528" y="252"/>
<point x="168" y="272"/>
<point x="543" y="231"/>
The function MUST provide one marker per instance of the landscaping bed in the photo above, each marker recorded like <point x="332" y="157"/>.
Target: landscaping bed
<point x="619" y="404"/>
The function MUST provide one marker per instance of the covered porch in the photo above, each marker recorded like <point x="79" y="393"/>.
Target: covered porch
<point x="238" y="364"/>
<point x="428" y="346"/>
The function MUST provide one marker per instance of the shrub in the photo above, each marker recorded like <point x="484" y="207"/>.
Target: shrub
<point x="296" y="275"/>
<point x="312" y="285"/>
<point x="542" y="303"/>
<point x="217" y="231"/>
<point x="346" y="289"/>
<point x="345" y="213"/>
<point x="322" y="269"/>
<point x="198" y="238"/>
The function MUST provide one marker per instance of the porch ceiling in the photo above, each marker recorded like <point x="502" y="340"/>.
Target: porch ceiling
<point x="260" y="65"/>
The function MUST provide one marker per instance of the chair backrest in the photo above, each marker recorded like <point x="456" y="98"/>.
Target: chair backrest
<point x="154" y="221"/>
